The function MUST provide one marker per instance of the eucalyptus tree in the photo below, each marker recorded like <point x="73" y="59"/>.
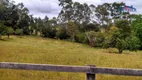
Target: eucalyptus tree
<point x="86" y="14"/>
<point x="67" y="10"/>
<point x="82" y="14"/>
<point x="118" y="13"/>
<point x="102" y="14"/>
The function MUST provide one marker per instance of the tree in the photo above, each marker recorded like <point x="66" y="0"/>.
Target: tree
<point x="111" y="37"/>
<point x="23" y="18"/>
<point x="11" y="15"/>
<point x="82" y="13"/>
<point x="2" y="10"/>
<point x="124" y="28"/>
<point x="102" y="14"/>
<point x="86" y="14"/>
<point x="66" y="13"/>
<point x="133" y="43"/>
<point x="15" y="16"/>
<point x="124" y="32"/>
<point x="9" y="31"/>
<point x="72" y="30"/>
<point x="31" y="24"/>
<point x="137" y="27"/>
<point x="78" y="9"/>
<point x="48" y="29"/>
<point x="116" y="11"/>
<point x="96" y="39"/>
<point x="49" y="32"/>
<point x="2" y="30"/>
<point x="114" y="39"/>
<point x="121" y="45"/>
<point x="122" y="37"/>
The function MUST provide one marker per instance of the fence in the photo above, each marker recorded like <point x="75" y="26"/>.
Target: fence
<point x="90" y="71"/>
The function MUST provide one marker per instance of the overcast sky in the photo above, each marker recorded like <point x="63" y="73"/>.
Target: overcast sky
<point x="40" y="8"/>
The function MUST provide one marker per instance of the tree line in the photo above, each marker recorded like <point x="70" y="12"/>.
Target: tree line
<point x="101" y="26"/>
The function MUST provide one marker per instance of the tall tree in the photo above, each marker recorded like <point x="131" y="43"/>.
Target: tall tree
<point x="72" y="30"/>
<point x="102" y="14"/>
<point x="137" y="27"/>
<point x="24" y="19"/>
<point x="66" y="12"/>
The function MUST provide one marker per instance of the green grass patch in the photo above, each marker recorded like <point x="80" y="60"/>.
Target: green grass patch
<point x="28" y="49"/>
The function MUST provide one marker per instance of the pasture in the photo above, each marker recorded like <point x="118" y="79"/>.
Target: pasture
<point x="29" y="49"/>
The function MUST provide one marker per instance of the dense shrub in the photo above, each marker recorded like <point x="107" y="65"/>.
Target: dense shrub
<point x="62" y="33"/>
<point x="49" y="32"/>
<point x="133" y="43"/>
<point x="26" y="30"/>
<point x="18" y="32"/>
<point x="137" y="29"/>
<point x="96" y="39"/>
<point x="81" y="38"/>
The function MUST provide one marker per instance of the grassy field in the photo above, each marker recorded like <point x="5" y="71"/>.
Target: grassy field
<point x="29" y="49"/>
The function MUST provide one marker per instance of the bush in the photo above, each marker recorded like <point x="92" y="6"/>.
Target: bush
<point x="49" y="32"/>
<point x="62" y="33"/>
<point x="133" y="43"/>
<point x="26" y="30"/>
<point x="81" y="38"/>
<point x="19" y="32"/>
<point x="137" y="29"/>
<point x="96" y="39"/>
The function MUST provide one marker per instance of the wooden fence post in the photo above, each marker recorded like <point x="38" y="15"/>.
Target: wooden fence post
<point x="91" y="76"/>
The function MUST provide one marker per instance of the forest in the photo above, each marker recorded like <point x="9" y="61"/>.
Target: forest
<point x="101" y="26"/>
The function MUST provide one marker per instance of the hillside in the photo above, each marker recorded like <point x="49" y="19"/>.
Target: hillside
<point x="29" y="49"/>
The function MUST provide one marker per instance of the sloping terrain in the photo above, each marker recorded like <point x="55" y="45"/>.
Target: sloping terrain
<point x="28" y="49"/>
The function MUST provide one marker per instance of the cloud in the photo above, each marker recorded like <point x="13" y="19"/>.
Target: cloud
<point x="95" y="2"/>
<point x="40" y="8"/>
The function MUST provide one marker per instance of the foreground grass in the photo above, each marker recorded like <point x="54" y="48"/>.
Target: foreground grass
<point x="48" y="51"/>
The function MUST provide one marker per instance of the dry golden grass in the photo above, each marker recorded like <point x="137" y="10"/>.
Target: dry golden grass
<point x="28" y="49"/>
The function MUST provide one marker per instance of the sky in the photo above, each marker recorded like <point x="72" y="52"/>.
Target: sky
<point x="41" y="8"/>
